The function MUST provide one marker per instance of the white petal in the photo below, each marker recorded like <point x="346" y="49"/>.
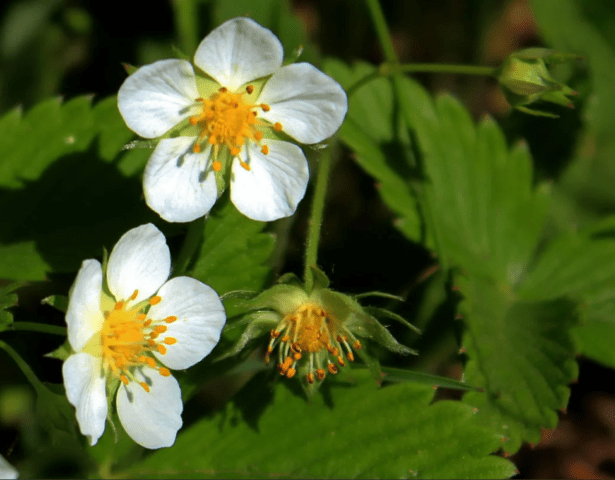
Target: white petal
<point x="152" y="418"/>
<point x="310" y="105"/>
<point x="7" y="470"/>
<point x="157" y="97"/>
<point x="83" y="316"/>
<point x="274" y="185"/>
<point x="85" y="389"/>
<point x="200" y="318"/>
<point x="175" y="184"/>
<point x="139" y="261"/>
<point x="239" y="51"/>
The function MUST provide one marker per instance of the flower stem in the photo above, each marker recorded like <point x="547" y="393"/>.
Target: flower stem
<point x="24" y="367"/>
<point x="185" y="16"/>
<point x="315" y="221"/>
<point x="39" y="327"/>
<point x="387" y="69"/>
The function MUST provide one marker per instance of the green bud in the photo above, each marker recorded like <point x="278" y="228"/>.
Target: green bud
<point x="525" y="79"/>
<point x="313" y="334"/>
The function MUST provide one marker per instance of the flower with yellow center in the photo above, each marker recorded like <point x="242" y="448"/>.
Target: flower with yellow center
<point x="237" y="111"/>
<point x="314" y="332"/>
<point x="128" y="329"/>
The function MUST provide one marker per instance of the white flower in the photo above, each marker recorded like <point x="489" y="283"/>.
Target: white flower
<point x="7" y="470"/>
<point x="131" y="328"/>
<point x="235" y="111"/>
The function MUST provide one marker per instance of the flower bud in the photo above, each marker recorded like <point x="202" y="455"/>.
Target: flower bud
<point x="524" y="78"/>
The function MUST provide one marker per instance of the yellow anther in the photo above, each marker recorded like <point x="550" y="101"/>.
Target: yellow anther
<point x="297" y="356"/>
<point x="141" y="317"/>
<point x="265" y="150"/>
<point x="145" y="386"/>
<point x="340" y="360"/>
<point x="147" y="323"/>
<point x="134" y="294"/>
<point x="151" y="342"/>
<point x="249" y="89"/>
<point x="310" y="378"/>
<point x="170" y="319"/>
<point x="143" y="359"/>
<point x="165" y="372"/>
<point x="223" y="90"/>
<point x="332" y="368"/>
<point x="196" y="148"/>
<point x="350" y="356"/>
<point x="155" y="300"/>
<point x="290" y="373"/>
<point x="170" y="341"/>
<point x="160" y="328"/>
<point x="258" y="136"/>
<point x="194" y="121"/>
<point x="124" y="379"/>
<point x="245" y="165"/>
<point x="285" y="338"/>
<point x="151" y="362"/>
<point x="265" y="107"/>
<point x="119" y="305"/>
<point x="235" y="151"/>
<point x="275" y="334"/>
<point x="320" y="374"/>
<point x="217" y="166"/>
<point x="357" y="345"/>
<point x="153" y="335"/>
<point x="161" y="349"/>
<point x="277" y="127"/>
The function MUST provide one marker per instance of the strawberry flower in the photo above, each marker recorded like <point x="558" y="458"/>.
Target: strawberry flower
<point x="237" y="109"/>
<point x="128" y="328"/>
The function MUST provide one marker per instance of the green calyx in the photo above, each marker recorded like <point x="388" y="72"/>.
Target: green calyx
<point x="525" y="79"/>
<point x="314" y="334"/>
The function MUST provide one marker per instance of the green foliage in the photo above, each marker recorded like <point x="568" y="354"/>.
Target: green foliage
<point x="343" y="434"/>
<point x="233" y="253"/>
<point x="57" y="164"/>
<point x="483" y="218"/>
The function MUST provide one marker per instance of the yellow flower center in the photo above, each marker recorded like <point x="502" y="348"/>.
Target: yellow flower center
<point x="227" y="120"/>
<point x="128" y="337"/>
<point x="311" y="330"/>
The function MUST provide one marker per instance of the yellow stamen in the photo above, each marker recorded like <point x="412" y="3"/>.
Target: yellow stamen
<point x="165" y="372"/>
<point x="155" y="300"/>
<point x="170" y="341"/>
<point x="145" y="386"/>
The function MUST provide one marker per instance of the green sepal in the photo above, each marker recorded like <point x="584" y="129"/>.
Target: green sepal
<point x="390" y="296"/>
<point x="62" y="352"/>
<point x="259" y="324"/>
<point x="59" y="302"/>
<point x="130" y="69"/>
<point x="290" y="279"/>
<point x="383" y="312"/>
<point x="281" y="298"/>
<point x="320" y="279"/>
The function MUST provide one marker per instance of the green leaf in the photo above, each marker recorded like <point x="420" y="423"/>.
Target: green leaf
<point x="522" y="352"/>
<point x="66" y="186"/>
<point x="370" y="132"/>
<point x="233" y="252"/>
<point x="403" y="375"/>
<point x="7" y="299"/>
<point x="581" y="265"/>
<point x="353" y="438"/>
